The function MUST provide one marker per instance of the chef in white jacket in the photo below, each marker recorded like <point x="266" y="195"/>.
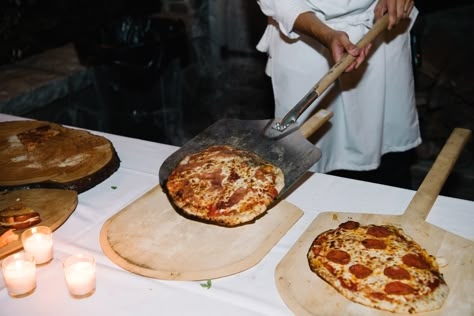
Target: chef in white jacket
<point x="373" y="102"/>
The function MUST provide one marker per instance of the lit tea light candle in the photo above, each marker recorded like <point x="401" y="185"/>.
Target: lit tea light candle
<point x="38" y="241"/>
<point x="19" y="274"/>
<point x="79" y="272"/>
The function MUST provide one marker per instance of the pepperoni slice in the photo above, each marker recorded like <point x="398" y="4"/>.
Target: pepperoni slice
<point x="374" y="244"/>
<point x="415" y="261"/>
<point x="316" y="250"/>
<point x="396" y="273"/>
<point x="378" y="295"/>
<point x="360" y="271"/>
<point x="379" y="231"/>
<point x="398" y="288"/>
<point x="348" y="284"/>
<point x="260" y="174"/>
<point x="320" y="240"/>
<point x="349" y="225"/>
<point x="238" y="195"/>
<point x="339" y="256"/>
<point x="330" y="268"/>
<point x="233" y="176"/>
<point x="272" y="191"/>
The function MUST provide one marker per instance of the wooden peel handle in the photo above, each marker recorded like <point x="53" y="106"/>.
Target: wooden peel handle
<point x="331" y="76"/>
<point x="431" y="186"/>
<point x="347" y="59"/>
<point x="315" y="122"/>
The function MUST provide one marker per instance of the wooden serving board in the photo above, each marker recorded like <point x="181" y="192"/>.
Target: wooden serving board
<point x="53" y="205"/>
<point x="39" y="154"/>
<point x="150" y="238"/>
<point x="307" y="294"/>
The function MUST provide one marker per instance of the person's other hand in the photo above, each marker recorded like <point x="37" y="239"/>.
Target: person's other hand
<point x="339" y="43"/>
<point x="396" y="10"/>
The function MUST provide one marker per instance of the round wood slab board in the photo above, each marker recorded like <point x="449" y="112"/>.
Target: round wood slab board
<point x="150" y="238"/>
<point x="40" y="154"/>
<point x="53" y="205"/>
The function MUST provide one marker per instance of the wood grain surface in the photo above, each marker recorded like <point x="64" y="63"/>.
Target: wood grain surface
<point x="53" y="205"/>
<point x="150" y="238"/>
<point x="39" y="154"/>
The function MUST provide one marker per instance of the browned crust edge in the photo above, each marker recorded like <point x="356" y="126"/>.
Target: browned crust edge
<point x="217" y="222"/>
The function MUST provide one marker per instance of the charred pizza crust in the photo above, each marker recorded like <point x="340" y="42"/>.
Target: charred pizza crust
<point x="378" y="266"/>
<point x="224" y="185"/>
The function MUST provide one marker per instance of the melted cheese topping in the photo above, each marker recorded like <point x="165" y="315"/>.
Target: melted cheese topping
<point x="225" y="185"/>
<point x="380" y="267"/>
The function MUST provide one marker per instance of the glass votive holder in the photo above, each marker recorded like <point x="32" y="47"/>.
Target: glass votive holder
<point x="38" y="241"/>
<point x="79" y="272"/>
<point x="19" y="274"/>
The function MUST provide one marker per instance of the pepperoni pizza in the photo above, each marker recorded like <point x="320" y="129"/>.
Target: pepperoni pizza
<point x="378" y="266"/>
<point x="224" y="185"/>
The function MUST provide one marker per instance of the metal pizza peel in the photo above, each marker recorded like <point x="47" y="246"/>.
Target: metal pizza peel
<point x="292" y="152"/>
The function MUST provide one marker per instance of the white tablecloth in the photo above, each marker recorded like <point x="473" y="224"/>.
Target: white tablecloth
<point x="252" y="292"/>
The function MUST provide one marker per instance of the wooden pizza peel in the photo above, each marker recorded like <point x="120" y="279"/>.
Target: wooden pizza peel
<point x="150" y="238"/>
<point x="54" y="206"/>
<point x="307" y="294"/>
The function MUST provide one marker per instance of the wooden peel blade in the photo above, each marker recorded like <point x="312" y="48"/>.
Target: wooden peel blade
<point x="307" y="294"/>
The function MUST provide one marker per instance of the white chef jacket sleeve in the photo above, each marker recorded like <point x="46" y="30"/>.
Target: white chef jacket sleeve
<point x="284" y="12"/>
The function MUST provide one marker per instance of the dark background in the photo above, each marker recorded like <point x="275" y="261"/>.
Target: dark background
<point x="33" y="26"/>
<point x="161" y="80"/>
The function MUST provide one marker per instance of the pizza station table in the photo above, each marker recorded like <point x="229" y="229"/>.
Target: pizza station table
<point x="251" y="292"/>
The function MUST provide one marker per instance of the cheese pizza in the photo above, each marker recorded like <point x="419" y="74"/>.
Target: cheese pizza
<point x="224" y="185"/>
<point x="378" y="266"/>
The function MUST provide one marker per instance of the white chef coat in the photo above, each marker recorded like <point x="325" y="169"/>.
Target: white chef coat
<point x="374" y="106"/>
